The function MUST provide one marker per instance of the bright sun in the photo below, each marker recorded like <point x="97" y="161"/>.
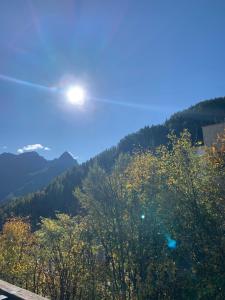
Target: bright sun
<point x="76" y="95"/>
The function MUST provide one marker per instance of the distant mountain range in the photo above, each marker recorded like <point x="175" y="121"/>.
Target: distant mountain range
<point x="28" y="172"/>
<point x="58" y="195"/>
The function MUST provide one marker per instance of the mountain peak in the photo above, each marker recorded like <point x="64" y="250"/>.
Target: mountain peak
<point x="28" y="172"/>
<point x="66" y="155"/>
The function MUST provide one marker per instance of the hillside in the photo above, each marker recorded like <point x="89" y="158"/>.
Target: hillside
<point x="58" y="196"/>
<point x="28" y="172"/>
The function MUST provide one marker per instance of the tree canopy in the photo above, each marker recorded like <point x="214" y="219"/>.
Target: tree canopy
<point x="152" y="228"/>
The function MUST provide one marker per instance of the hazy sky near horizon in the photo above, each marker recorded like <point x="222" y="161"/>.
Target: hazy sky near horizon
<point x="161" y="55"/>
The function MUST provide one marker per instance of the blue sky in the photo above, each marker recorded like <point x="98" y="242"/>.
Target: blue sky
<point x="163" y="55"/>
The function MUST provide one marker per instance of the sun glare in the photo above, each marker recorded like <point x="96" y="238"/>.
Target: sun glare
<point x="76" y="95"/>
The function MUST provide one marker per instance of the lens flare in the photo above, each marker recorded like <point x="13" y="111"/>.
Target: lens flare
<point x="171" y="243"/>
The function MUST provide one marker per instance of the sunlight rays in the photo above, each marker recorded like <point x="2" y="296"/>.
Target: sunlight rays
<point x="26" y="83"/>
<point x="76" y="95"/>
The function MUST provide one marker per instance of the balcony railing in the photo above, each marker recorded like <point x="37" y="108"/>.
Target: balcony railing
<point x="12" y="292"/>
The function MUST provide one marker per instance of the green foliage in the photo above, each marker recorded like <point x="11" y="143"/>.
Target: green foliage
<point x="66" y="258"/>
<point x="153" y="229"/>
<point x="161" y="224"/>
<point x="17" y="253"/>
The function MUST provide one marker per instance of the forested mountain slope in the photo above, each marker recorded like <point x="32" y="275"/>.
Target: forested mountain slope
<point x="28" y="172"/>
<point x="58" y="196"/>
